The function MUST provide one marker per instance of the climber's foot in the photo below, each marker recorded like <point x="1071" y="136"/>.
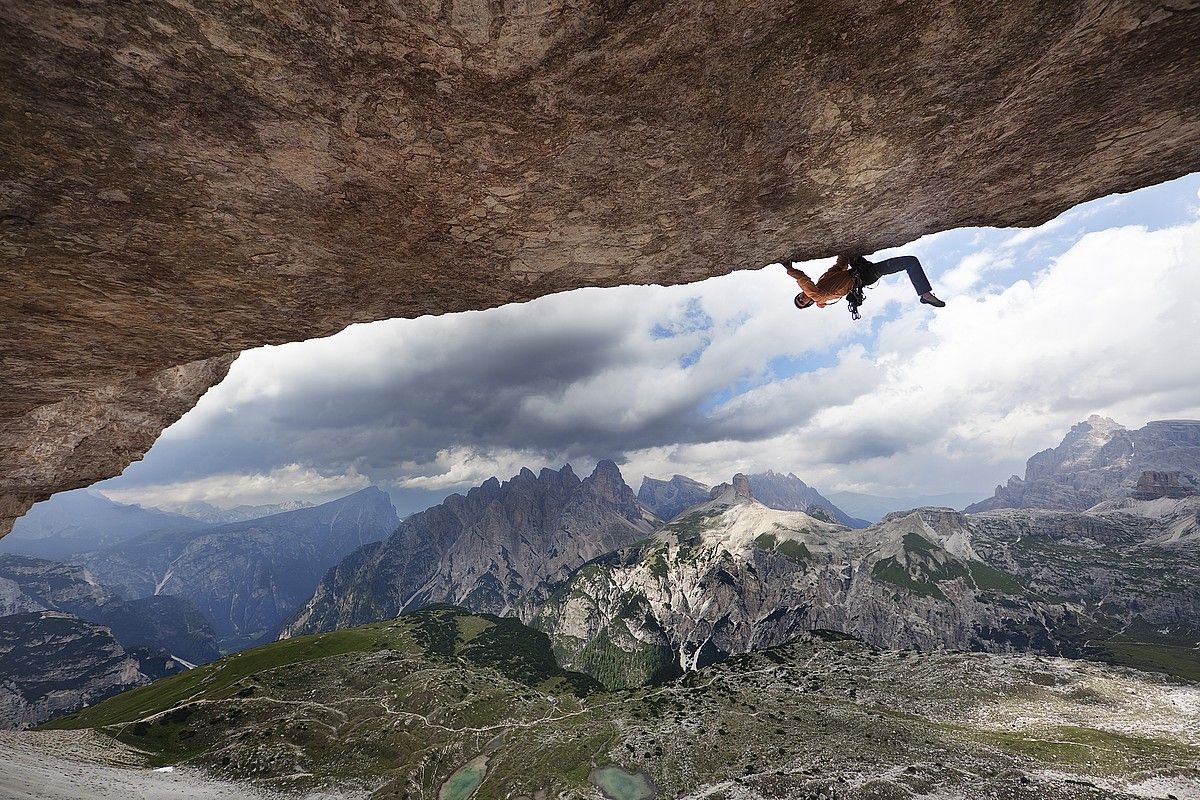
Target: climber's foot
<point x="930" y="299"/>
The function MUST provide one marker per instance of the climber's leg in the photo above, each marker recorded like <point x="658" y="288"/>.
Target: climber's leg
<point x="909" y="264"/>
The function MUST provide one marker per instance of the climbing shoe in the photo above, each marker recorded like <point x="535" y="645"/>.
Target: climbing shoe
<point x="930" y="299"/>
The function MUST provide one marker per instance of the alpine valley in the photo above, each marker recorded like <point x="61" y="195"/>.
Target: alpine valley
<point x="730" y="574"/>
<point x="559" y="636"/>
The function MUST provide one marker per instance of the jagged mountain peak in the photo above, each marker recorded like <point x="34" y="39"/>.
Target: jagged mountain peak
<point x="497" y="549"/>
<point x="791" y="476"/>
<point x="736" y="491"/>
<point x="669" y="499"/>
<point x="1100" y="423"/>
<point x="607" y="478"/>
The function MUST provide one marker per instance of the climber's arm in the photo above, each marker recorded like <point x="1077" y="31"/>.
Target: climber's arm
<point x="805" y="282"/>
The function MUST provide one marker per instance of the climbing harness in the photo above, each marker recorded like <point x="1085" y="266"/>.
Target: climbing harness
<point x="857" y="295"/>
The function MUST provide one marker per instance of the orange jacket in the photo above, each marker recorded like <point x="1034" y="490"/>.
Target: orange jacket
<point x="833" y="285"/>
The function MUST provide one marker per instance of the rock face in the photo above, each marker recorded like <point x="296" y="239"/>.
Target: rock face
<point x="1157" y="485"/>
<point x="184" y="182"/>
<point x="668" y="499"/>
<point x="83" y="436"/>
<point x="170" y="626"/>
<point x="734" y="576"/>
<point x="1099" y="460"/>
<point x="246" y="578"/>
<point x="52" y="664"/>
<point x="789" y="493"/>
<point x="501" y="547"/>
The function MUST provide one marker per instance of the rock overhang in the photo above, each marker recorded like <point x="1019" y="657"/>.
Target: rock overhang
<point x="184" y="181"/>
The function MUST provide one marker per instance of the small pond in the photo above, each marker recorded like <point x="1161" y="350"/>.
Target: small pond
<point x="619" y="784"/>
<point x="465" y="780"/>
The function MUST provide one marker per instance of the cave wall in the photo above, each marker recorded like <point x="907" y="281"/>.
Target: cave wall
<point x="185" y="180"/>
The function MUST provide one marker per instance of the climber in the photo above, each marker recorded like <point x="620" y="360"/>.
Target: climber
<point x="849" y="276"/>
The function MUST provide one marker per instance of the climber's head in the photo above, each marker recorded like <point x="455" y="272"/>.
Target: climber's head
<point x="803" y="300"/>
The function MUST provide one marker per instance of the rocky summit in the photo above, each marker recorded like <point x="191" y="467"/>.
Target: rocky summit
<point x="1098" y="460"/>
<point x="668" y="499"/>
<point x="499" y="546"/>
<point x="185" y="181"/>
<point x="789" y="493"/>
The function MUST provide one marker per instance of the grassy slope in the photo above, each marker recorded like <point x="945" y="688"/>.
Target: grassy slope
<point x="218" y="680"/>
<point x="516" y="651"/>
<point x="406" y="703"/>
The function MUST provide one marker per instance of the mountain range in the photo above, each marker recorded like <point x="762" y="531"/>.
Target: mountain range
<point x="729" y="574"/>
<point x="75" y="522"/>
<point x="83" y="520"/>
<point x="247" y="577"/>
<point x="732" y="575"/>
<point x="215" y="515"/>
<point x="635" y="590"/>
<point x="499" y="547"/>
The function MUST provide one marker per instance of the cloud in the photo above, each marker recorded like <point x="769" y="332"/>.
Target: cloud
<point x="1044" y="326"/>
<point x="461" y="466"/>
<point x="231" y="489"/>
<point x="1106" y="326"/>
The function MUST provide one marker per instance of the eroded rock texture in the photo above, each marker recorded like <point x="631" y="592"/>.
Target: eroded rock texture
<point x="92" y="434"/>
<point x="183" y="180"/>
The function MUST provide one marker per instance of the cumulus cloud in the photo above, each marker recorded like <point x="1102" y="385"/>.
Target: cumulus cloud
<point x="945" y="401"/>
<point x="231" y="489"/>
<point x="1044" y="326"/>
<point x="463" y="466"/>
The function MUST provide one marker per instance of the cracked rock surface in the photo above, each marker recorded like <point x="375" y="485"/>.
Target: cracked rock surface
<point x="184" y="180"/>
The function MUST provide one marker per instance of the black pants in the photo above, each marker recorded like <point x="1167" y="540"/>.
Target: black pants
<point x="872" y="272"/>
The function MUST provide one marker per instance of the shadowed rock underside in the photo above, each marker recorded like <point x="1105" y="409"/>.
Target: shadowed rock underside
<point x="182" y="181"/>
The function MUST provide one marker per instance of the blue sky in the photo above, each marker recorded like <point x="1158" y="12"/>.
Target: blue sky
<point x="1095" y="311"/>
